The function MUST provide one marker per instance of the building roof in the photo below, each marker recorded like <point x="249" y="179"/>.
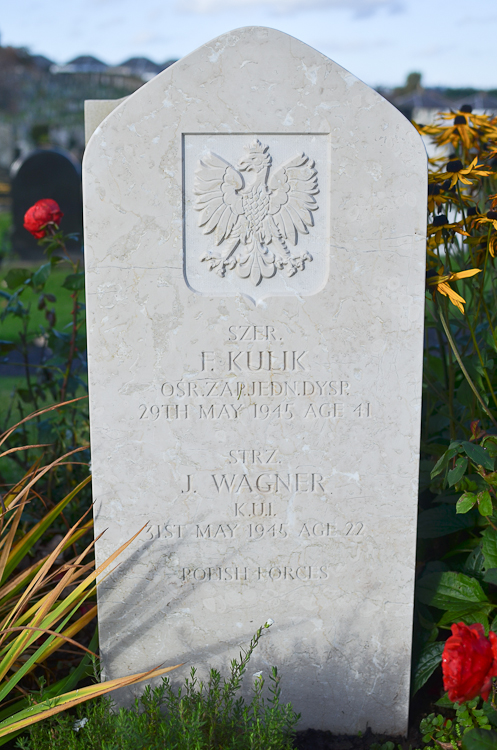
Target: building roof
<point x="84" y="64"/>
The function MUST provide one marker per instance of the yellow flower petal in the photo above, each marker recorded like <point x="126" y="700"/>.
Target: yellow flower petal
<point x="454" y="297"/>
<point x="464" y="274"/>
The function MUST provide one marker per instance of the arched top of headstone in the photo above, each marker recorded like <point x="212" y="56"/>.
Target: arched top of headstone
<point x="43" y="156"/>
<point x="259" y="65"/>
<point x="320" y="131"/>
<point x="46" y="173"/>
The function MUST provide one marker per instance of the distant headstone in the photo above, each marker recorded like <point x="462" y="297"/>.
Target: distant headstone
<point x="255" y="249"/>
<point x="46" y="174"/>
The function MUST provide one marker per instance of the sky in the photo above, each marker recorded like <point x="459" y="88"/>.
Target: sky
<point x="451" y="42"/>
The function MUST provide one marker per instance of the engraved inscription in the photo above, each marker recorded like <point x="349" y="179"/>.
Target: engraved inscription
<point x="241" y="389"/>
<point x="255" y="212"/>
<point x="269" y="482"/>
<point x="239" y="573"/>
<point x="282" y="411"/>
<point x="253" y="531"/>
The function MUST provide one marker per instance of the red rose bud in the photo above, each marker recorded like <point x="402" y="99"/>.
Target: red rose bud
<point x="469" y="662"/>
<point x="43" y="214"/>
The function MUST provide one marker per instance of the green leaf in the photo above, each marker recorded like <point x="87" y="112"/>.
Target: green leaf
<point x="40" y="277"/>
<point x="489" y="547"/>
<point x="490" y="713"/>
<point x="448" y="590"/>
<point x="444" y="460"/>
<point x="491" y="577"/>
<point x="16" y="277"/>
<point x="485" y="503"/>
<point x="466" y="502"/>
<point x="441" y="521"/>
<point x="478" y="455"/>
<point x="430" y="658"/>
<point x="490" y="443"/>
<point x="458" y="472"/>
<point x="475" y="562"/>
<point x="444" y="702"/>
<point x="76" y="282"/>
<point x="479" y="739"/>
<point x="467" y="613"/>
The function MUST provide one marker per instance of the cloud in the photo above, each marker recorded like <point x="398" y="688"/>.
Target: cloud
<point x="359" y="7"/>
<point x="352" y="45"/>
<point x="146" y="38"/>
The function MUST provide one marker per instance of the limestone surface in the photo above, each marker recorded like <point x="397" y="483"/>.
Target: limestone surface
<point x="255" y="253"/>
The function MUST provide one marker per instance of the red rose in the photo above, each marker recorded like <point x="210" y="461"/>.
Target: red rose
<point x="469" y="661"/>
<point x="43" y="214"/>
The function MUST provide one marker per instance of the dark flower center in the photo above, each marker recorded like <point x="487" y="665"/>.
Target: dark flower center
<point x="440" y="220"/>
<point x="492" y="215"/>
<point x="433" y="189"/>
<point x="460" y="120"/>
<point x="466" y="108"/>
<point x="454" y="166"/>
<point x="471" y="211"/>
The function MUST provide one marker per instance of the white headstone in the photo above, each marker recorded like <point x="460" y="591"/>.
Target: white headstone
<point x="255" y="253"/>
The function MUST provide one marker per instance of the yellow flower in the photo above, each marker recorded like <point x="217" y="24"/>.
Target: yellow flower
<point x="456" y="172"/>
<point x="489" y="218"/>
<point x="436" y="198"/>
<point x="460" y="130"/>
<point x="492" y="245"/>
<point x="441" y="222"/>
<point x="440" y="282"/>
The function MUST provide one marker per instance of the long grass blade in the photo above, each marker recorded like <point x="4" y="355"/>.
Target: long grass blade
<point x="69" y="632"/>
<point x="63" y="702"/>
<point x="4" y="436"/>
<point x="24" y="640"/>
<point x="44" y="631"/>
<point x="16" y="517"/>
<point x="10" y="589"/>
<point x="23" y="546"/>
<point x="37" y="656"/>
<point x="38" y="581"/>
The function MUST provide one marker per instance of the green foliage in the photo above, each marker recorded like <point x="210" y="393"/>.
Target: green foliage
<point x="193" y="717"/>
<point x="28" y="324"/>
<point x="428" y="661"/>
<point x="469" y="722"/>
<point x="479" y="739"/>
<point x="457" y="551"/>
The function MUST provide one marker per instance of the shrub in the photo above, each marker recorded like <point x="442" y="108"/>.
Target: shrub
<point x="193" y="717"/>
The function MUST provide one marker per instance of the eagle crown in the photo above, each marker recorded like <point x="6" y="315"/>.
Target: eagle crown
<point x="257" y="159"/>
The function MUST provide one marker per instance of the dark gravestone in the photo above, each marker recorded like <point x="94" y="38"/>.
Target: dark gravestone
<point x="46" y="174"/>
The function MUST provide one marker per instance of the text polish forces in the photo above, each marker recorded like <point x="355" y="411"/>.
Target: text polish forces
<point x="296" y="574"/>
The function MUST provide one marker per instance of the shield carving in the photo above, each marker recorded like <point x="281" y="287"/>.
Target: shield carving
<point x="256" y="214"/>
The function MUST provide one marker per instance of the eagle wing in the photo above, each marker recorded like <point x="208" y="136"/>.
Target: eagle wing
<point x="217" y="198"/>
<point x="293" y="187"/>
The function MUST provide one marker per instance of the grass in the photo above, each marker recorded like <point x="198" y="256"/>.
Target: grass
<point x="5" y="227"/>
<point x="7" y="385"/>
<point x="9" y="327"/>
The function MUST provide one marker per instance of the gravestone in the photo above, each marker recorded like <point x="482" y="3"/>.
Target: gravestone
<point x="46" y="173"/>
<point x="255" y="254"/>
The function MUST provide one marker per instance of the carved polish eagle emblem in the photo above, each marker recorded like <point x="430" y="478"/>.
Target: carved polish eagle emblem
<point x="255" y="213"/>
